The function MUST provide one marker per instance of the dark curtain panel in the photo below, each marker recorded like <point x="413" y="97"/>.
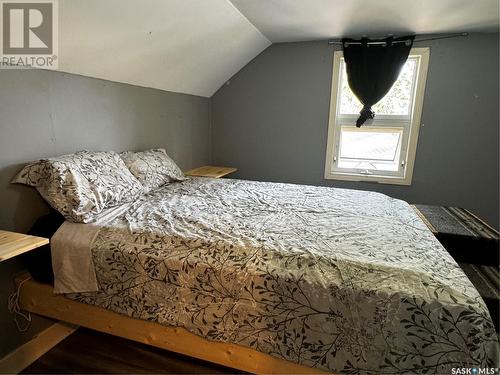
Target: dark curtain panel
<point x="372" y="69"/>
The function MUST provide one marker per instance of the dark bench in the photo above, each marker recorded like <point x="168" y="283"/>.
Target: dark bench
<point x="473" y="244"/>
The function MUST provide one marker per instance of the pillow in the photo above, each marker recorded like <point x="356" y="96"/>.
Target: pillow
<point x="153" y="168"/>
<point x="81" y="185"/>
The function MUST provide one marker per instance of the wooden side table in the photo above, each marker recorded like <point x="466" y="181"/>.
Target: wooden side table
<point x="13" y="244"/>
<point x="210" y="171"/>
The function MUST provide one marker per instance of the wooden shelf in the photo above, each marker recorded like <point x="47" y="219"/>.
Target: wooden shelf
<point x="210" y="171"/>
<point x="13" y="244"/>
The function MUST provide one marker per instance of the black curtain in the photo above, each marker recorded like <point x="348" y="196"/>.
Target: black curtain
<point x="372" y="69"/>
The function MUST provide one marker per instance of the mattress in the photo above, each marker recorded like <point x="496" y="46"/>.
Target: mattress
<point x="342" y="280"/>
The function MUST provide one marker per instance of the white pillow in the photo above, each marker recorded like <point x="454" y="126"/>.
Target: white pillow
<point x="81" y="185"/>
<point x="153" y="168"/>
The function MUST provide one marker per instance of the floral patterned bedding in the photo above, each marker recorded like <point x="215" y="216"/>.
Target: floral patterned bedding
<point x="342" y="280"/>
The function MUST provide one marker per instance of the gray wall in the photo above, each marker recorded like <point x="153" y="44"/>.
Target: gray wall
<point x="49" y="113"/>
<point x="271" y="122"/>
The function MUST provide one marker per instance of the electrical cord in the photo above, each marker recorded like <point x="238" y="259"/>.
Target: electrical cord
<point x="15" y="309"/>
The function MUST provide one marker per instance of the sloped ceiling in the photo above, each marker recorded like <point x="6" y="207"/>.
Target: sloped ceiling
<point x="186" y="46"/>
<point x="195" y="46"/>
<point x="298" y="20"/>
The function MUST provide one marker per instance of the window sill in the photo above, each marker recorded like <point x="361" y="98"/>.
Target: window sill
<point x="369" y="178"/>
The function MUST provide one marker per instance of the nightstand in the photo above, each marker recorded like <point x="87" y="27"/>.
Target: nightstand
<point x="13" y="244"/>
<point x="210" y="171"/>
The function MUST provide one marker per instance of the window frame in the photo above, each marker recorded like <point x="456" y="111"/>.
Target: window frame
<point x="410" y="125"/>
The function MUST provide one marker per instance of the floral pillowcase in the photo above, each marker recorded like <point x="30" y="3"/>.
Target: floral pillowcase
<point x="153" y="168"/>
<point x="83" y="184"/>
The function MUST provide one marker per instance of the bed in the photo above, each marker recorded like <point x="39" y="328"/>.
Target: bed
<point x="328" y="279"/>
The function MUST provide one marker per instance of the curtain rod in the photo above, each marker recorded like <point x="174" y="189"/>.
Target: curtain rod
<point x="339" y="42"/>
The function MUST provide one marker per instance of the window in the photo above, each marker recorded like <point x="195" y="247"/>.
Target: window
<point x="382" y="150"/>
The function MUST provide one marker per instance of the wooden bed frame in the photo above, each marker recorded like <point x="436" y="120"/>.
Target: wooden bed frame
<point x="39" y="298"/>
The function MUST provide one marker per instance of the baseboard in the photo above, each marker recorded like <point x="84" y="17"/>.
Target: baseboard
<point x="26" y="354"/>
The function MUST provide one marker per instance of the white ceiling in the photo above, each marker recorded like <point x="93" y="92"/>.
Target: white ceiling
<point x="186" y="46"/>
<point x="195" y="46"/>
<point x="297" y="20"/>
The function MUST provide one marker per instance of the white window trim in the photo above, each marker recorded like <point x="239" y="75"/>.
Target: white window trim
<point x="416" y="115"/>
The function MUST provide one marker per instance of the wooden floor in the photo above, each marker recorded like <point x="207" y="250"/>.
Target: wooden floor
<point x="91" y="352"/>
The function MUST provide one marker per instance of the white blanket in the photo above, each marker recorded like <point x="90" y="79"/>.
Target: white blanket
<point x="71" y="256"/>
<point x="343" y="280"/>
